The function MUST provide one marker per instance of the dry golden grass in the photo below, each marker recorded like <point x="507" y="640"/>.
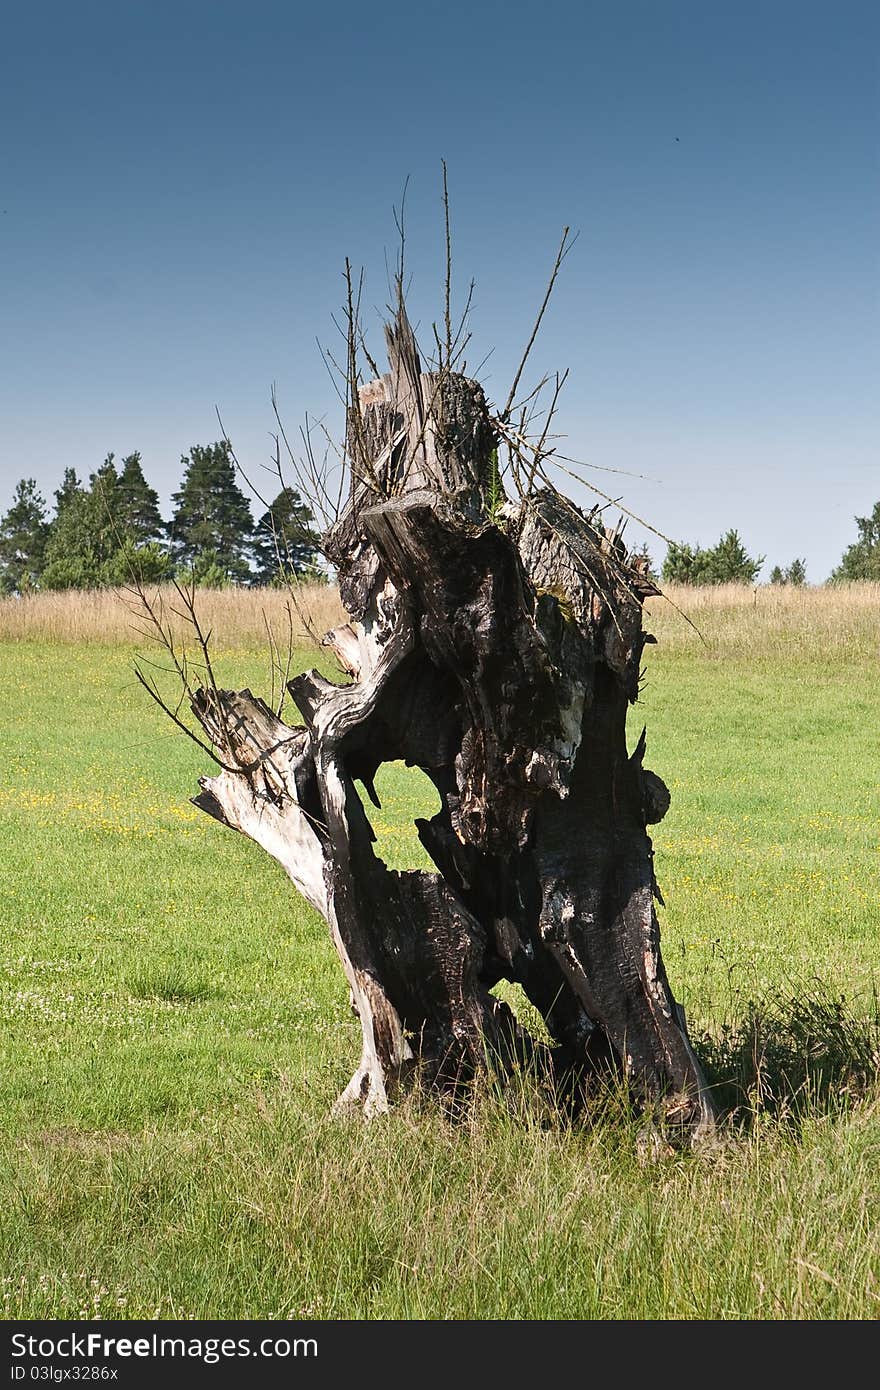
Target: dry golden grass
<point x="770" y="620"/>
<point x="732" y="619"/>
<point x="237" y="617"/>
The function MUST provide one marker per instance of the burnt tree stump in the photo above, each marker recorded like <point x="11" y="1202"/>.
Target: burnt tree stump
<point x="497" y="648"/>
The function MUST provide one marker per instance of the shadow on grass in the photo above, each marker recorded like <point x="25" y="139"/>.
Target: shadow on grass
<point x="788" y="1055"/>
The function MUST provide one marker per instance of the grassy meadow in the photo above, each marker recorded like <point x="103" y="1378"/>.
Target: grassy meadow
<point x="174" y="1024"/>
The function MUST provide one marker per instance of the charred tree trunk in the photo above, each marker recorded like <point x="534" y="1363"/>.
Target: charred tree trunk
<point x="498" y="650"/>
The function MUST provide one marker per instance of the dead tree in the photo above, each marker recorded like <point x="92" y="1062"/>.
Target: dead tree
<point x="495" y="644"/>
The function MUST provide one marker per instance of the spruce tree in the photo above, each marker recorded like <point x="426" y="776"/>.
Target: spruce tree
<point x="23" y="533"/>
<point x="727" y="562"/>
<point x="137" y="507"/>
<point x="861" y="560"/>
<point x="76" y="549"/>
<point x="285" y="546"/>
<point x="90" y="543"/>
<point x="684" y="564"/>
<point x="795" y="573"/>
<point x="211" y="530"/>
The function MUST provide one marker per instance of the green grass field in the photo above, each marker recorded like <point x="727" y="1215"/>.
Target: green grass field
<point x="174" y="1027"/>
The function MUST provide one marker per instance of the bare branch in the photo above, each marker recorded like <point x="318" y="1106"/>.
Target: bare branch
<point x="153" y="692"/>
<point x="448" y="284"/>
<point x="564" y="247"/>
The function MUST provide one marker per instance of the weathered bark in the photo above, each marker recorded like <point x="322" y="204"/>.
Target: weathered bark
<point x="500" y="655"/>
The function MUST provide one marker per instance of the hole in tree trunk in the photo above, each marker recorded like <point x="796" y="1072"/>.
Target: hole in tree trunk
<point x="498" y="639"/>
<point x="406" y="794"/>
<point x="529" y="1018"/>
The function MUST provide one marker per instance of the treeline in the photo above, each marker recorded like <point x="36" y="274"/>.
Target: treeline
<point x="729" y="562"/>
<point x="111" y="530"/>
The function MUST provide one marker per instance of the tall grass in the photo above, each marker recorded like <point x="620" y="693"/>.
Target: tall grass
<point x="278" y="1211"/>
<point x="772" y="620"/>
<point x="725" y="619"/>
<point x="237" y="617"/>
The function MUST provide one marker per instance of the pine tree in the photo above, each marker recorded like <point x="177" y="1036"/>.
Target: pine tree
<point x="23" y="533"/>
<point x="284" y="543"/>
<point x="137" y="507"/>
<point x="104" y="484"/>
<point x="70" y="488"/>
<point x="211" y="530"/>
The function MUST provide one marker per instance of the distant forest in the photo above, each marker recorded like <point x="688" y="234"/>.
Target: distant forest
<point x="111" y="530"/>
<point x="729" y="561"/>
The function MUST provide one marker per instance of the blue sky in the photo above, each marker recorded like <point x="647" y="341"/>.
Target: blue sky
<point x="180" y="185"/>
